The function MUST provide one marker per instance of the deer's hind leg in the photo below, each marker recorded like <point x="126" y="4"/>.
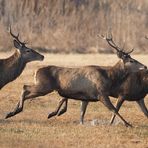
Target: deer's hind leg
<point x="64" y="109"/>
<point x="29" y="91"/>
<point x="56" y="112"/>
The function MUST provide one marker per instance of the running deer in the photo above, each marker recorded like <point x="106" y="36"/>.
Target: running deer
<point x="135" y="92"/>
<point x="133" y="88"/>
<point x="12" y="67"/>
<point x="88" y="83"/>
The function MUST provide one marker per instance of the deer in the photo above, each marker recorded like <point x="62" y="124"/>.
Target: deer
<point x="13" y="66"/>
<point x="135" y="92"/>
<point x="133" y="88"/>
<point x="86" y="83"/>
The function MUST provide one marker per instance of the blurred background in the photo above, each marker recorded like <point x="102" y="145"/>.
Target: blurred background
<point x="71" y="26"/>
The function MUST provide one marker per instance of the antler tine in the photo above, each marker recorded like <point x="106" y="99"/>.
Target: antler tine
<point x="101" y="36"/>
<point x="16" y="37"/>
<point x="110" y="41"/>
<point x="130" y="51"/>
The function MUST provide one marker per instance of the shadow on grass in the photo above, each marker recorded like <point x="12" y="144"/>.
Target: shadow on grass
<point x="94" y="122"/>
<point x="25" y="121"/>
<point x="46" y="122"/>
<point x="53" y="121"/>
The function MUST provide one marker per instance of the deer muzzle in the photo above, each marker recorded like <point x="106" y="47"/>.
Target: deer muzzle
<point x="144" y="67"/>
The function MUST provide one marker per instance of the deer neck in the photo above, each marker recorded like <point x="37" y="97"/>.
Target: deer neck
<point x="11" y="67"/>
<point x="118" y="73"/>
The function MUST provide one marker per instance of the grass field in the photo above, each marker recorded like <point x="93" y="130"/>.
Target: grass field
<point x="32" y="129"/>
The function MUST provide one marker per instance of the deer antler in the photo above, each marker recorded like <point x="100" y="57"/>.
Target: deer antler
<point x="16" y="37"/>
<point x="130" y="51"/>
<point x="111" y="42"/>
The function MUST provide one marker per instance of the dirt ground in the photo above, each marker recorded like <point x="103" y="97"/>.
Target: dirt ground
<point x="32" y="129"/>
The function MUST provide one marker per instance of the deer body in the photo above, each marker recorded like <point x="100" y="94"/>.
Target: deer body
<point x="83" y="83"/>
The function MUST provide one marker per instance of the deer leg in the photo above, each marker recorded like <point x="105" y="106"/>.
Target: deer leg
<point x="19" y="106"/>
<point x="119" y="103"/>
<point x="106" y="101"/>
<point x="142" y="106"/>
<point x="54" y="113"/>
<point x="27" y="93"/>
<point x="83" y="110"/>
<point x="64" y="109"/>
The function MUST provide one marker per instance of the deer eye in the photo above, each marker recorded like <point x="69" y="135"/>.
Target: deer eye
<point x="28" y="51"/>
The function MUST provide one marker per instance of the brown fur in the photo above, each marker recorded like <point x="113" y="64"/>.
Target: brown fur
<point x="134" y="88"/>
<point x="12" y="67"/>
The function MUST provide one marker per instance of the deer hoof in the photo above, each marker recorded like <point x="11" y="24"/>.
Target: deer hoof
<point x="8" y="115"/>
<point x="128" y="125"/>
<point x="51" y="115"/>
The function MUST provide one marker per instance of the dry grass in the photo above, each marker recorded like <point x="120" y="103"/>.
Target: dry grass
<point x="31" y="128"/>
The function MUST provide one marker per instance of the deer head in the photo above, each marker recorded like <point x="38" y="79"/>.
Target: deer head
<point x="27" y="54"/>
<point x="129" y="63"/>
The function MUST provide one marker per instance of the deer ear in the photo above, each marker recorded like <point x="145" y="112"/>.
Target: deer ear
<point x="16" y="44"/>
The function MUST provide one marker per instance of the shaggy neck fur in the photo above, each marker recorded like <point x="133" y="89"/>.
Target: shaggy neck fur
<point x="118" y="73"/>
<point x="144" y="77"/>
<point x="11" y="68"/>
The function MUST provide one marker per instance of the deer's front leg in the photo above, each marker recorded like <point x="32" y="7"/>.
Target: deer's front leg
<point x="106" y="101"/>
<point x="83" y="110"/>
<point x="119" y="103"/>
